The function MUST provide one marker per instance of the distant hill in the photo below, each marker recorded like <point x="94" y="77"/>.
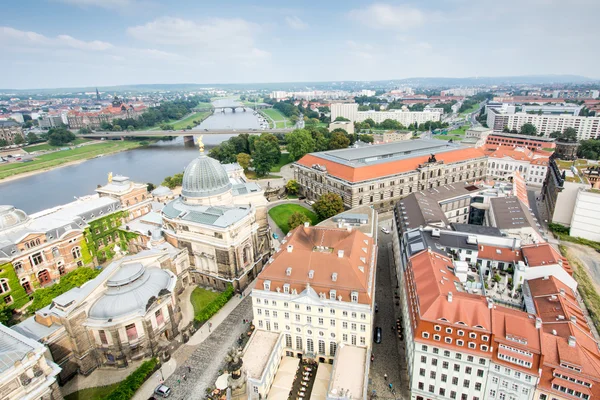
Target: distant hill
<point x="341" y="85"/>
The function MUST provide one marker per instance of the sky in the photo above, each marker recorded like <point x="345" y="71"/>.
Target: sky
<point x="75" y="43"/>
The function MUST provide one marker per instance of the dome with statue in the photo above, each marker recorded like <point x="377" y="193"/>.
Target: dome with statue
<point x="205" y="177"/>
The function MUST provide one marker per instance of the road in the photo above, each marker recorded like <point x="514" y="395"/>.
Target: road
<point x="589" y="258"/>
<point x="110" y="134"/>
<point x="387" y="353"/>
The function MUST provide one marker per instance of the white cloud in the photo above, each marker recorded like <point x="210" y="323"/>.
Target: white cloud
<point x="296" y="23"/>
<point x="110" y="4"/>
<point x="11" y="36"/>
<point x="386" y="16"/>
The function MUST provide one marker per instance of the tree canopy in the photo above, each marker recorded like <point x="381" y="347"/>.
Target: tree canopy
<point x="328" y="205"/>
<point x="589" y="149"/>
<point x="338" y="140"/>
<point x="244" y="160"/>
<point x="297" y="219"/>
<point x="292" y="186"/>
<point x="568" y="135"/>
<point x="60" y="136"/>
<point x="528" y="129"/>
<point x="299" y="143"/>
<point x="266" y="154"/>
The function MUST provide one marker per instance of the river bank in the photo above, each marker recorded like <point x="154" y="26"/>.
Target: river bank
<point x="50" y="161"/>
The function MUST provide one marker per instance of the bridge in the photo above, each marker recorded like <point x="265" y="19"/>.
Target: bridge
<point x="187" y="134"/>
<point x="255" y="107"/>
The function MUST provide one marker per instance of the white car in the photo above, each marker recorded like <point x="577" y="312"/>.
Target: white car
<point x="385" y="230"/>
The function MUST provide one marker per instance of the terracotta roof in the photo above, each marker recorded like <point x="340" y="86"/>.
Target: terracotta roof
<point x="503" y="152"/>
<point x="541" y="254"/>
<point x="318" y="249"/>
<point x="496" y="253"/>
<point x="362" y="173"/>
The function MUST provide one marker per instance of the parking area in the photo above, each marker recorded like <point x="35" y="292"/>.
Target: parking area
<point x="387" y="359"/>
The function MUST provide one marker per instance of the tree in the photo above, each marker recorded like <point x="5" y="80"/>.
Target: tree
<point x="297" y="219"/>
<point x="569" y="135"/>
<point x="299" y="142"/>
<point x="117" y="128"/>
<point x="338" y="141"/>
<point x="365" y="138"/>
<point x="244" y="160"/>
<point x="5" y="314"/>
<point x="84" y="131"/>
<point x="328" y="205"/>
<point x="341" y="119"/>
<point x="266" y="154"/>
<point x="173" y="181"/>
<point x="3" y="143"/>
<point x="31" y="137"/>
<point x="19" y="139"/>
<point x="60" y="136"/>
<point x="528" y="129"/>
<point x="151" y="186"/>
<point x="292" y="186"/>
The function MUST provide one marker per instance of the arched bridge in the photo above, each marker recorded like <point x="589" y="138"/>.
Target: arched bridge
<point x="187" y="134"/>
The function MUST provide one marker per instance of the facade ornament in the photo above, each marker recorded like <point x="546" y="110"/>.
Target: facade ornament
<point x="200" y="144"/>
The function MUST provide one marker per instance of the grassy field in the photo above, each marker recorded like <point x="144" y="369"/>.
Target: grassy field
<point x="252" y="175"/>
<point x="456" y="135"/>
<point x="188" y="121"/>
<point x="280" y="120"/>
<point x="283" y="160"/>
<point x="281" y="214"/>
<point x="201" y="298"/>
<point x="471" y="109"/>
<point x="50" y="160"/>
<point x="46" y="146"/>
<point x="95" y="393"/>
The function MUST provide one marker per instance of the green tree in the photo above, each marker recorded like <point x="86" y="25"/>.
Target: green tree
<point x="244" y="160"/>
<point x="528" y="129"/>
<point x="341" y="119"/>
<point x="266" y="154"/>
<point x="3" y="143"/>
<point x="31" y="137"/>
<point x="328" y="205"/>
<point x="297" y="219"/>
<point x="19" y="139"/>
<point x="60" y="136"/>
<point x="366" y="138"/>
<point x="151" y="186"/>
<point x="292" y="186"/>
<point x="84" y="131"/>
<point x="117" y="128"/>
<point x="569" y="135"/>
<point x="299" y="143"/>
<point x="5" y="314"/>
<point x="338" y="141"/>
<point x="173" y="181"/>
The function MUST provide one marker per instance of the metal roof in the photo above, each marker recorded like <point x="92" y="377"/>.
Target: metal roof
<point x="219" y="216"/>
<point x="14" y="347"/>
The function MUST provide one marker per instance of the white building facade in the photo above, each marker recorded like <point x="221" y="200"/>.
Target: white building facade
<point x="350" y="111"/>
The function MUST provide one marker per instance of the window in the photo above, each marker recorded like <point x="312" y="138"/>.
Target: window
<point x="4" y="286"/>
<point x="363" y="340"/>
<point x="468" y="370"/>
<point x="308" y="308"/>
<point x="267" y="313"/>
<point x="275" y="326"/>
<point x="8" y="299"/>
<point x="480" y="373"/>
<point x="353" y="315"/>
<point x="456" y="368"/>
<point x="423" y="347"/>
<point x="432" y="374"/>
<point x="466" y="383"/>
<point x="76" y="252"/>
<point x="332" y="348"/>
<point x="102" y="335"/>
<point x="436" y="337"/>
<point x="434" y="361"/>
<point x="320" y="321"/>
<point x="286" y="315"/>
<point x="431" y="388"/>
<point x="353" y="327"/>
<point x="445" y="364"/>
<point x="472" y="345"/>
<point x="437" y="328"/>
<point x="159" y="317"/>
<point x="259" y="311"/>
<point x="473" y="335"/>
<point x="425" y="335"/>
<point x="448" y="339"/>
<point x="298" y="343"/>
<point x="321" y="347"/>
<point x="37" y="259"/>
<point x="288" y="340"/>
<point x="297" y="317"/>
<point x="448" y="330"/>
<point x="345" y="337"/>
<point x="423" y="359"/>
<point x="444" y="377"/>
<point x="344" y="325"/>
<point x="332" y="311"/>
<point x="363" y="316"/>
<point x="455" y="380"/>
<point x="308" y="319"/>
<point x="260" y="323"/>
<point x="422" y="371"/>
<point x="131" y="332"/>
<point x="353" y="341"/>
<point x="363" y="328"/>
<point x="470" y="358"/>
<point x="61" y="270"/>
<point x="354" y="297"/>
<point x="446" y="353"/>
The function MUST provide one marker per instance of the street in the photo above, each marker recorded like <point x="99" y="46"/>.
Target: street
<point x="387" y="357"/>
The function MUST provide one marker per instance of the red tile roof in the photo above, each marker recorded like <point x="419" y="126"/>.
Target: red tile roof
<point x="358" y="174"/>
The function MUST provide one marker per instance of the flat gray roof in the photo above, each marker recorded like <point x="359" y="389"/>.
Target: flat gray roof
<point x="387" y="152"/>
<point x="510" y="213"/>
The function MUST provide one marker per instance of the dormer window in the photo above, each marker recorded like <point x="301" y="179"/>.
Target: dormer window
<point x="311" y="274"/>
<point x="354" y="297"/>
<point x="288" y="271"/>
<point x="286" y="288"/>
<point x="332" y="295"/>
<point x="267" y="285"/>
<point x="334" y="276"/>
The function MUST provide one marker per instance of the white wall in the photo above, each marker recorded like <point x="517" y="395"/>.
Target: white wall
<point x="585" y="222"/>
<point x="565" y="203"/>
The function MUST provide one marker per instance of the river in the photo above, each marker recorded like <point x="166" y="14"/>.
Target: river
<point x="147" y="164"/>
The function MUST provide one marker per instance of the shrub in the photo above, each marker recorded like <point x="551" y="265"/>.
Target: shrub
<point x="75" y="278"/>
<point x="214" y="306"/>
<point x="127" y="388"/>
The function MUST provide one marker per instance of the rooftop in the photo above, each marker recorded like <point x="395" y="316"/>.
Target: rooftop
<point x="258" y="352"/>
<point x="14" y="347"/>
<point x="348" y="375"/>
<point x="219" y="216"/>
<point x="525" y="137"/>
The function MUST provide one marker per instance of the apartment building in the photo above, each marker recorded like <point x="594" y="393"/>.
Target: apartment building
<point x="404" y="116"/>
<point x="496" y="139"/>
<point x="586" y="127"/>
<point x="380" y="175"/>
<point x="576" y="94"/>
<point x="9" y="130"/>
<point x="560" y="195"/>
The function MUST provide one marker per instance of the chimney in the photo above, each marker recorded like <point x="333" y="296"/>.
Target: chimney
<point x="490" y="303"/>
<point x="572" y="341"/>
<point x="538" y="323"/>
<point x="573" y="319"/>
<point x="290" y="248"/>
<point x="306" y="224"/>
<point x="349" y="228"/>
<point x="449" y="297"/>
<point x="341" y="253"/>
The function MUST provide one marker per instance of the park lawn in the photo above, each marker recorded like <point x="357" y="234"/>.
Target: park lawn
<point x="188" y="121"/>
<point x="459" y="131"/>
<point x="200" y="298"/>
<point x="455" y="138"/>
<point x="281" y="214"/>
<point x="94" y="393"/>
<point x="46" y="146"/>
<point x="50" y="160"/>
<point x="278" y="118"/>
<point x="471" y="109"/>
<point x="283" y="160"/>
<point x="252" y="175"/>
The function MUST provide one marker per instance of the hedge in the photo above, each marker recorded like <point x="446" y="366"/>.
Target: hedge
<point x="75" y="278"/>
<point x="127" y="388"/>
<point x="214" y="306"/>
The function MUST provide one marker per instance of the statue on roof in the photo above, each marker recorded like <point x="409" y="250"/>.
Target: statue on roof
<point x="432" y="159"/>
<point x="110" y="176"/>
<point x="200" y="144"/>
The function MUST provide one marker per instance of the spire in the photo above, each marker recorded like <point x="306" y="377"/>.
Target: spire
<point x="97" y="94"/>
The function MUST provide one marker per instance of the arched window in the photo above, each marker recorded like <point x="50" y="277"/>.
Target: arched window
<point x="27" y="286"/>
<point x="4" y="286"/>
<point x="76" y="251"/>
<point x="44" y="277"/>
<point x="55" y="252"/>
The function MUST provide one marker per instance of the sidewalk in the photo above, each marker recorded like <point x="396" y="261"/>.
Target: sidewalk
<point x="182" y="354"/>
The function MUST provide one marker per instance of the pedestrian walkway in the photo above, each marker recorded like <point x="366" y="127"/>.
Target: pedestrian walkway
<point x="183" y="353"/>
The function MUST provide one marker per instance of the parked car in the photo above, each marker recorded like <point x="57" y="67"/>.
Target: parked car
<point x="376" y="308"/>
<point x="385" y="230"/>
<point x="309" y="202"/>
<point x="275" y="236"/>
<point x="162" y="391"/>
<point x="378" y="335"/>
